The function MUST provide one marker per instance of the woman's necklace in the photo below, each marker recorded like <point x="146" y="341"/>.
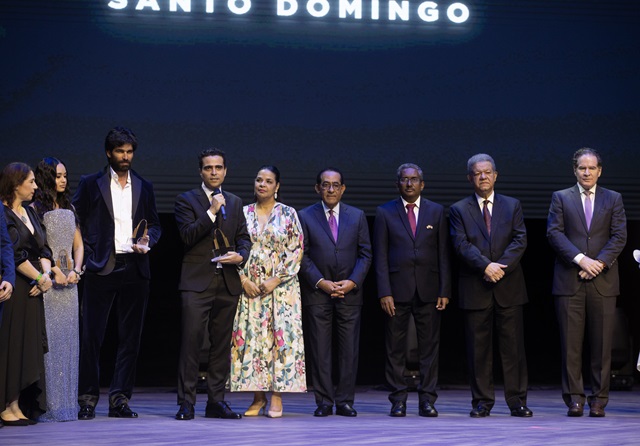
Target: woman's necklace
<point x="21" y="213"/>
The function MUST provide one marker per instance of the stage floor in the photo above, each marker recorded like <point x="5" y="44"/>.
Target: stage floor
<point x="157" y="426"/>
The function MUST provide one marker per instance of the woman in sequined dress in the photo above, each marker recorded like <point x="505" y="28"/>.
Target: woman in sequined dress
<point x="54" y="208"/>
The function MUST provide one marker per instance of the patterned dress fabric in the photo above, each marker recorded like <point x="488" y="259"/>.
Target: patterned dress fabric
<point x="61" y="317"/>
<point x="267" y="347"/>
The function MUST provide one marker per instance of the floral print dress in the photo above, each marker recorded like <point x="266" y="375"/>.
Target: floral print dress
<point x="267" y="347"/>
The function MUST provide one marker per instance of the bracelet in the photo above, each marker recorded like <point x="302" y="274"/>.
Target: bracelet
<point x="243" y="281"/>
<point x="38" y="278"/>
<point x="78" y="273"/>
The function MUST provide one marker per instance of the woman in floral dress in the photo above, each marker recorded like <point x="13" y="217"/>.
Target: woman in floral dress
<point x="267" y="348"/>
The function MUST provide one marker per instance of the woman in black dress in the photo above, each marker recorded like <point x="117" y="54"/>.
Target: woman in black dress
<point x="23" y="341"/>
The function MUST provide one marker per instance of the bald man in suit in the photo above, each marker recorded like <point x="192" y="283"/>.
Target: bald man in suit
<point x="587" y="229"/>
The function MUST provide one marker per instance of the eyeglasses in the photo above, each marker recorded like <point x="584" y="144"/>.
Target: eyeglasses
<point x="412" y="180"/>
<point x="329" y="186"/>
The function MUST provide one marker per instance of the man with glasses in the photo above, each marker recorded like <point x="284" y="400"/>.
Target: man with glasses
<point x="489" y="237"/>
<point x="337" y="256"/>
<point x="411" y="257"/>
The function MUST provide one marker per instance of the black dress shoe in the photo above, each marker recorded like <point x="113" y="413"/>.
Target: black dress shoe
<point x="345" y="410"/>
<point x="479" y="412"/>
<point x="122" y="411"/>
<point x="87" y="412"/>
<point x="427" y="410"/>
<point x="323" y="410"/>
<point x="596" y="410"/>
<point x="575" y="409"/>
<point x="21" y="422"/>
<point x="522" y="411"/>
<point x="185" y="412"/>
<point x="221" y="409"/>
<point x="399" y="409"/>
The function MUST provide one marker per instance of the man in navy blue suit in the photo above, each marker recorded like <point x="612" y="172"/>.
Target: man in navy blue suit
<point x="109" y="205"/>
<point x="337" y="256"/>
<point x="587" y="229"/>
<point x="489" y="237"/>
<point x="411" y="258"/>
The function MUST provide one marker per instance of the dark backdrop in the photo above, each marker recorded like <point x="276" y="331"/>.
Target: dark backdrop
<point x="528" y="81"/>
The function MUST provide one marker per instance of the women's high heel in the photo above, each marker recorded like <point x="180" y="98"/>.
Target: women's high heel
<point x="255" y="408"/>
<point x="274" y="413"/>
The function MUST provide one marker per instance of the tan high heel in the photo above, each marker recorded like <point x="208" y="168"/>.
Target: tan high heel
<point x="258" y="405"/>
<point x="277" y="399"/>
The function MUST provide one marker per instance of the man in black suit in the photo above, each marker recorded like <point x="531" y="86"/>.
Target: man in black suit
<point x="109" y="205"/>
<point x="489" y="237"/>
<point x="587" y="229"/>
<point x="210" y="288"/>
<point x="333" y="270"/>
<point x="411" y="258"/>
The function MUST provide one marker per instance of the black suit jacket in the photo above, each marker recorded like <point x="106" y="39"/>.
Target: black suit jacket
<point x="196" y="231"/>
<point x="405" y="264"/>
<point x="476" y="249"/>
<point x="347" y="258"/>
<point x="94" y="208"/>
<point x="568" y="236"/>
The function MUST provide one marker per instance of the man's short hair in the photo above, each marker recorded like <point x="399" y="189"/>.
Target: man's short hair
<point x="118" y="137"/>
<point x="212" y="151"/>
<point x="479" y="158"/>
<point x="586" y="151"/>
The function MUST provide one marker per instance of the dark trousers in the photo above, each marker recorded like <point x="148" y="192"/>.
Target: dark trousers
<point x="319" y="330"/>
<point x="587" y="308"/>
<point x="427" y="321"/>
<point x="479" y="328"/>
<point x="211" y="311"/>
<point x="129" y="292"/>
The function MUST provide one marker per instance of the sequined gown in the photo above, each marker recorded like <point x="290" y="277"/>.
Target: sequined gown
<point x="61" y="316"/>
<point x="267" y="348"/>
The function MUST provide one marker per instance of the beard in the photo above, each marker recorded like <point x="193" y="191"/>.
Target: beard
<point x="121" y="166"/>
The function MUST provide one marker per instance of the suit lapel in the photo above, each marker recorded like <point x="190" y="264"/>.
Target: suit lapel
<point x="577" y="202"/>
<point x="104" y="184"/>
<point x="402" y="212"/>
<point x="136" y="191"/>
<point x="322" y="221"/>
<point x="476" y="215"/>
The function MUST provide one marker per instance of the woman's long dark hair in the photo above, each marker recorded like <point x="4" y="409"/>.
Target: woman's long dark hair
<point x="47" y="196"/>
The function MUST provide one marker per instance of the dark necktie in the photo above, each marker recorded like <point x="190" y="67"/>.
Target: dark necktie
<point x="486" y="215"/>
<point x="412" y="217"/>
<point x="333" y="225"/>
<point x="588" y="208"/>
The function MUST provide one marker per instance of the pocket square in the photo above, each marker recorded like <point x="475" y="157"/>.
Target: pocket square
<point x="429" y="227"/>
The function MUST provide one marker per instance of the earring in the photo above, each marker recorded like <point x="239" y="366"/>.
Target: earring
<point x="276" y="196"/>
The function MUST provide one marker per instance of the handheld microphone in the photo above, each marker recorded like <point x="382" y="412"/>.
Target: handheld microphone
<point x="223" y="211"/>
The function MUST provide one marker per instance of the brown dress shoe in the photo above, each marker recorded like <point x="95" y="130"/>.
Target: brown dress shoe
<point x="575" y="409"/>
<point x="597" y="409"/>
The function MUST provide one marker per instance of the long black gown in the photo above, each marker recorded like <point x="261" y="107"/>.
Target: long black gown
<point x="23" y="337"/>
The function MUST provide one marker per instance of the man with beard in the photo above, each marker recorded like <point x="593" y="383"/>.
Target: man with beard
<point x="109" y="205"/>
